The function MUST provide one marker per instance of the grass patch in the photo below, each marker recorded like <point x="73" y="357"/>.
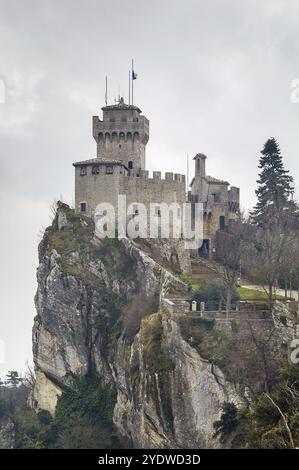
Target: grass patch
<point x="252" y="294"/>
<point x="190" y="281"/>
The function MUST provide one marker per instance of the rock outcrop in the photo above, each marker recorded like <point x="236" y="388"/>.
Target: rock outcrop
<point x="97" y="313"/>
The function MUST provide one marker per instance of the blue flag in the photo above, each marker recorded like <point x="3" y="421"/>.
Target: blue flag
<point x="134" y="75"/>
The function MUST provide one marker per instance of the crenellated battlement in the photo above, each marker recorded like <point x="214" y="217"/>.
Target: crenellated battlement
<point x="157" y="176"/>
<point x="122" y="134"/>
<point x="126" y="129"/>
<point x="120" y="169"/>
<point x="96" y="167"/>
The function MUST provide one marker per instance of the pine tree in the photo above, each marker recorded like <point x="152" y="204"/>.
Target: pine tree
<point x="12" y="378"/>
<point x="275" y="189"/>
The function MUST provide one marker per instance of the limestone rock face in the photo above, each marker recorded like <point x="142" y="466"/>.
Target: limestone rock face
<point x="97" y="305"/>
<point x="45" y="393"/>
<point x="285" y="322"/>
<point x="173" y="408"/>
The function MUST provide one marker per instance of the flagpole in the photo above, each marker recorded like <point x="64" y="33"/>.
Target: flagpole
<point x="132" y="82"/>
<point x="106" y="92"/>
<point x="129" y="86"/>
<point x="187" y="175"/>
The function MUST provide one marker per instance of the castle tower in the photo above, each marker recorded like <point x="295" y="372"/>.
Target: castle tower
<point x="122" y="135"/>
<point x="199" y="186"/>
<point x="200" y="165"/>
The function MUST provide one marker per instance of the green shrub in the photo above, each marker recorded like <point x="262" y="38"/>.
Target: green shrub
<point x="228" y="421"/>
<point x="83" y="419"/>
<point x="209" y="342"/>
<point x="213" y="293"/>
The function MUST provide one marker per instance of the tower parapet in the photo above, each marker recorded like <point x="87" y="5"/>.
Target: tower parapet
<point x="122" y="135"/>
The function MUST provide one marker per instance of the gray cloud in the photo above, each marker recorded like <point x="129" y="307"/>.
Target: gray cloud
<point x="214" y="77"/>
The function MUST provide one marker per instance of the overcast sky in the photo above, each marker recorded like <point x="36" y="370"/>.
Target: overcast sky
<point x="213" y="77"/>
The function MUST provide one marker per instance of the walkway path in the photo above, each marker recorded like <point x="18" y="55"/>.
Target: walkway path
<point x="293" y="294"/>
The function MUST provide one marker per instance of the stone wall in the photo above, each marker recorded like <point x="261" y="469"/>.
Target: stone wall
<point x="122" y="135"/>
<point x="97" y="188"/>
<point x="94" y="189"/>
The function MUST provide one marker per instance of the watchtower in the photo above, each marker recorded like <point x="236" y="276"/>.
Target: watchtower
<point x="122" y="135"/>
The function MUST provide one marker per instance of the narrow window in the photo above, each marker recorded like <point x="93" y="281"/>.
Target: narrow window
<point x="157" y="211"/>
<point x="83" y="171"/>
<point x="130" y="165"/>
<point x="95" y="170"/>
<point x="222" y="222"/>
<point x="82" y="206"/>
<point x="135" y="209"/>
<point x="109" y="169"/>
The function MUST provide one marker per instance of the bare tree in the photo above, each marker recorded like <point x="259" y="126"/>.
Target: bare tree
<point x="29" y="377"/>
<point x="284" y="420"/>
<point x="274" y="254"/>
<point x="229" y="257"/>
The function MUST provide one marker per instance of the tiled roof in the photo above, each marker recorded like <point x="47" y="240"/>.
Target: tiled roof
<point x="199" y="155"/>
<point x="210" y="179"/>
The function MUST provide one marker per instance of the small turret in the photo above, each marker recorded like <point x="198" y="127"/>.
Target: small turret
<point x="200" y="165"/>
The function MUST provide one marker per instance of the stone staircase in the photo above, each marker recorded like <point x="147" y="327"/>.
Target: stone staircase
<point x="202" y="270"/>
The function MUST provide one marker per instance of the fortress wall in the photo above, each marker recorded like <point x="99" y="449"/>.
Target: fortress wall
<point x="211" y="222"/>
<point x="153" y="190"/>
<point x="122" y="147"/>
<point x="219" y="189"/>
<point x="200" y="189"/>
<point x="234" y="194"/>
<point x="102" y="187"/>
<point x="94" y="189"/>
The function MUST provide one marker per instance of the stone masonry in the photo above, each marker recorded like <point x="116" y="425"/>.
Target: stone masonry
<point x="220" y="203"/>
<point x="120" y="169"/>
<point x="120" y="166"/>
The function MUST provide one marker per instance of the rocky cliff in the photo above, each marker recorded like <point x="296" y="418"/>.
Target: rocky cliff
<point x="98" y="313"/>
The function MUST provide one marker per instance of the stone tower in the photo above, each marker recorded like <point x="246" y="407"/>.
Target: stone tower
<point x="122" y="135"/>
<point x="199" y="185"/>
